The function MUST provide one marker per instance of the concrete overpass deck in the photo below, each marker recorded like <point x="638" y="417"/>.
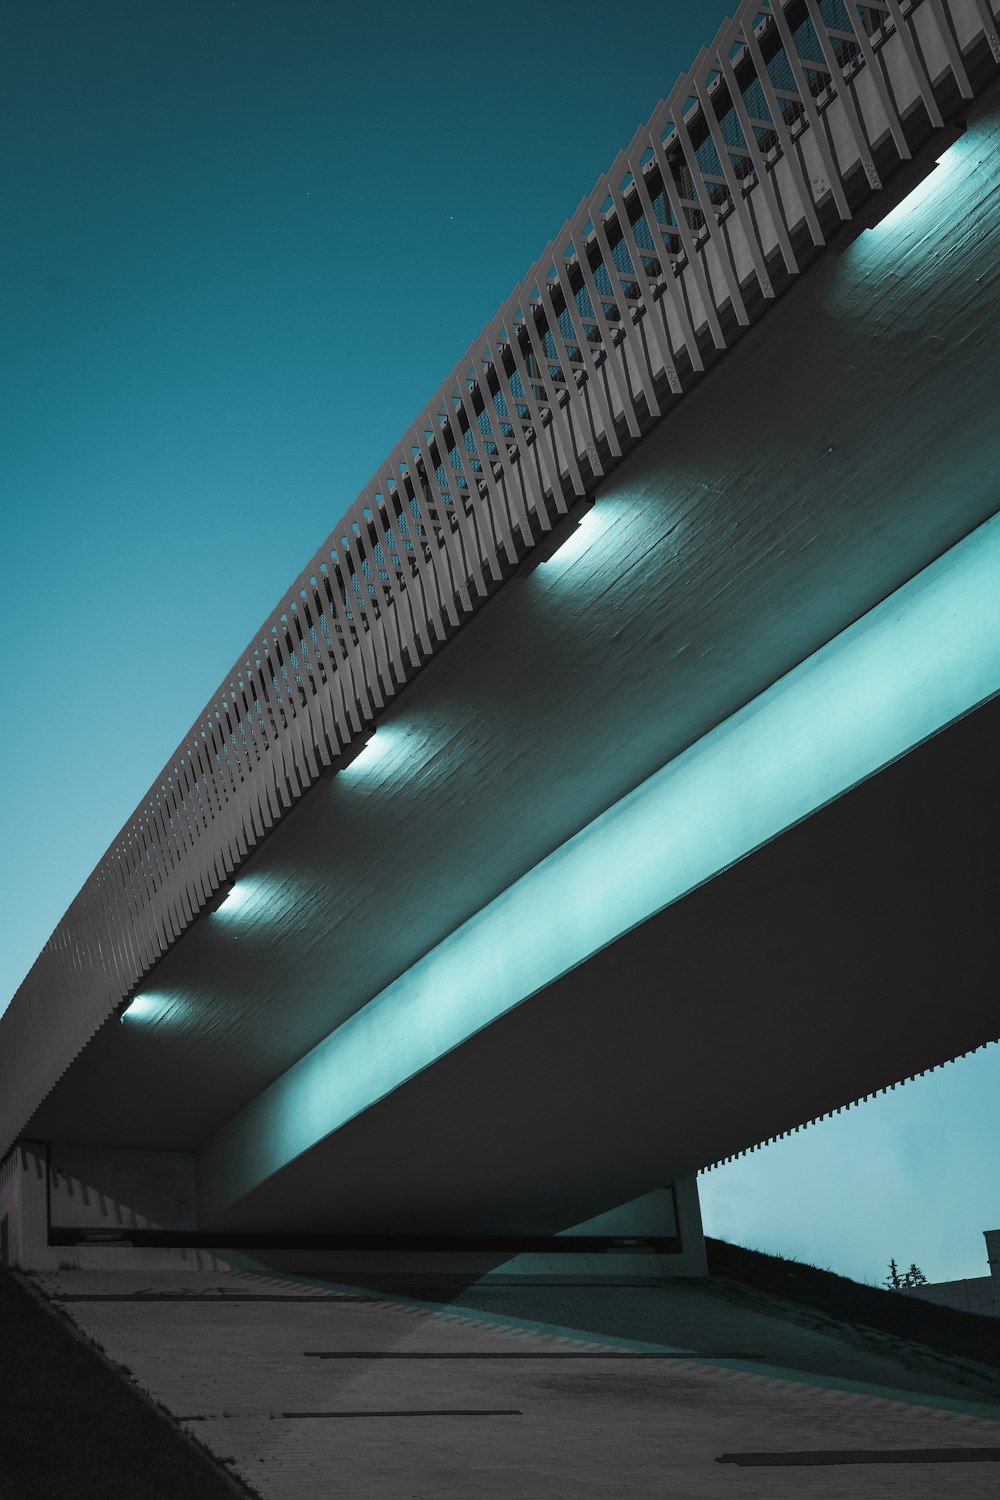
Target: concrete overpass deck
<point x="710" y="565"/>
<point x="842" y="446"/>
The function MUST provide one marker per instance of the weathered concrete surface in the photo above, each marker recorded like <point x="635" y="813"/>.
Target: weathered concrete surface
<point x="606" y="1424"/>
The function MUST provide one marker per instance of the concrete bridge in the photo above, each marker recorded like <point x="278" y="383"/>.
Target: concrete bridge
<point x="611" y="792"/>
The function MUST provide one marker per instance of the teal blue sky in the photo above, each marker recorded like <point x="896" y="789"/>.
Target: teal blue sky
<point x="248" y="240"/>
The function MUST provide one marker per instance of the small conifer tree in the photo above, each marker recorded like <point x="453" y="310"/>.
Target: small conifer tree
<point x="913" y="1277"/>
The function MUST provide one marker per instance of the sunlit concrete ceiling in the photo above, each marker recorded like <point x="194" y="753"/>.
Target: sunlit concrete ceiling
<point x="845" y="442"/>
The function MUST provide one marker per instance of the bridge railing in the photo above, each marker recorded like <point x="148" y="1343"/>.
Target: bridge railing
<point x="782" y="128"/>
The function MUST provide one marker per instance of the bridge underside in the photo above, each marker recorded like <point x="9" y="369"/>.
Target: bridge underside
<point x="847" y="441"/>
<point x="857" y="947"/>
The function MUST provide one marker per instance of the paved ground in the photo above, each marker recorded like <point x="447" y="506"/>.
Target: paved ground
<point x="532" y="1391"/>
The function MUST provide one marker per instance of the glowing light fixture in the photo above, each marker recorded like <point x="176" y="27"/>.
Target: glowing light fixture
<point x="566" y="548"/>
<point x="373" y="751"/>
<point x="924" y="192"/>
<point x="146" y="1008"/>
<point x="245" y="899"/>
<point x="235" y="897"/>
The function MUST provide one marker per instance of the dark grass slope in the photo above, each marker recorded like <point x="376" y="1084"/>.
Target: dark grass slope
<point x="73" y="1429"/>
<point x="943" y="1329"/>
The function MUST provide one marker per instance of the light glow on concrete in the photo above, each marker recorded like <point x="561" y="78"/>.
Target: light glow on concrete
<point x="591" y="527"/>
<point x="918" y="661"/>
<point x="247" y="900"/>
<point x="237" y="898"/>
<point x="379" y="746"/>
<point x="149" y="1007"/>
<point x="923" y="200"/>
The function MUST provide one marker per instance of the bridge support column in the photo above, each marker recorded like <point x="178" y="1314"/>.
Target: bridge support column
<point x="662" y="1228"/>
<point x="81" y="1208"/>
<point x="23" y="1212"/>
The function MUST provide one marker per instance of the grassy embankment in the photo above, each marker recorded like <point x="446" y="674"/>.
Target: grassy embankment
<point x="944" y="1329"/>
<point x="74" y="1429"/>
